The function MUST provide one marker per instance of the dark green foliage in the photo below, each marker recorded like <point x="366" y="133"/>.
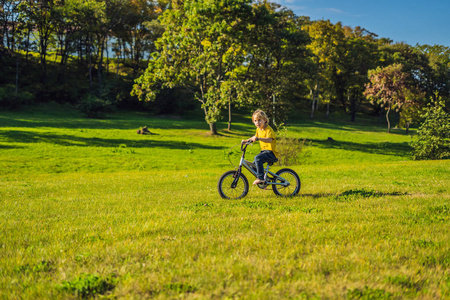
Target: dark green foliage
<point x="61" y="93"/>
<point x="89" y="285"/>
<point x="434" y="134"/>
<point x="368" y="293"/>
<point x="181" y="288"/>
<point x="94" y="106"/>
<point x="42" y="266"/>
<point x="9" y="98"/>
<point x="173" y="101"/>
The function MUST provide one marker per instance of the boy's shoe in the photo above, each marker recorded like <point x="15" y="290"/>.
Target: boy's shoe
<point x="258" y="181"/>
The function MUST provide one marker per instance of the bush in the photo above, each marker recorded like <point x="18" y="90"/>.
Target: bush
<point x="9" y="99"/>
<point x="289" y="149"/>
<point x="93" y="106"/>
<point x="434" y="134"/>
<point x="173" y="101"/>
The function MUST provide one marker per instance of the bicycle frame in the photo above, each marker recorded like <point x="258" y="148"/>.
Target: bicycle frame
<point x="246" y="164"/>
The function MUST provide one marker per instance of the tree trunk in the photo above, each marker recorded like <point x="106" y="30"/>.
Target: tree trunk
<point x="229" y="115"/>
<point x="28" y="48"/>
<point x="387" y="119"/>
<point x="314" y="102"/>
<point x="100" y="67"/>
<point x="407" y="128"/>
<point x="328" y="110"/>
<point x="352" y="102"/>
<point x="43" y="56"/>
<point x="311" y="94"/>
<point x="118" y="58"/>
<point x="88" y="49"/>
<point x="17" y="74"/>
<point x="213" y="128"/>
<point x="353" y="118"/>
<point x="107" y="56"/>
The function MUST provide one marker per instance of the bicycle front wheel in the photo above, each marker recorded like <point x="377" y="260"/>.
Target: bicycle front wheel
<point x="290" y="183"/>
<point x="225" y="189"/>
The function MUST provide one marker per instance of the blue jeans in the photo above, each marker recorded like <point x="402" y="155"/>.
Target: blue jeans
<point x="265" y="156"/>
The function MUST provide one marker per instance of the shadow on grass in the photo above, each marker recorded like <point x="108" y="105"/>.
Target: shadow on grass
<point x="366" y="124"/>
<point x="122" y="122"/>
<point x="363" y="193"/>
<point x="16" y="136"/>
<point x="385" y="148"/>
<point x="353" y="194"/>
<point x="10" y="147"/>
<point x="316" y="196"/>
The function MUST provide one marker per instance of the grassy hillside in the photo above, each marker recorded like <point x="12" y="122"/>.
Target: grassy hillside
<point x="55" y="139"/>
<point x="89" y="207"/>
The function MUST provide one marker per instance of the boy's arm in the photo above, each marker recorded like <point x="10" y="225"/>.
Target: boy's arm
<point x="252" y="139"/>
<point x="255" y="139"/>
<point x="265" y="140"/>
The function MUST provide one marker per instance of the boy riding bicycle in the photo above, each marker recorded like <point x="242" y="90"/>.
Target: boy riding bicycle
<point x="267" y="140"/>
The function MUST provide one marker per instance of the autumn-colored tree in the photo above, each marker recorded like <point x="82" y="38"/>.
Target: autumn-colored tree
<point x="389" y="87"/>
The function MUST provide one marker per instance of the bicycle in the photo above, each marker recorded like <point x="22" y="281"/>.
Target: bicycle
<point x="234" y="184"/>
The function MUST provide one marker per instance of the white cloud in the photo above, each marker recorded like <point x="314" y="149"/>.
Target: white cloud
<point x="335" y="10"/>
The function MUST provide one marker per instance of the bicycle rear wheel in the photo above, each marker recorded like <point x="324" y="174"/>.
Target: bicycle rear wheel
<point x="291" y="189"/>
<point x="228" y="192"/>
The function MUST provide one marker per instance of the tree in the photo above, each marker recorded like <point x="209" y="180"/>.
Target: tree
<point x="40" y="14"/>
<point x="389" y="87"/>
<point x="132" y="23"/>
<point x="199" y="50"/>
<point x="434" y="134"/>
<point x="435" y="81"/>
<point x="359" y="57"/>
<point x="9" y="18"/>
<point x="325" y="40"/>
<point x="278" y="59"/>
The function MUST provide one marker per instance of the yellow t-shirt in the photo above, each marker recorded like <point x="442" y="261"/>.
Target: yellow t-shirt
<point x="267" y="133"/>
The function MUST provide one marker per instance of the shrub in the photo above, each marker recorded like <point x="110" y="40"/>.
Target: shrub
<point x="9" y="98"/>
<point x="93" y="106"/>
<point x="289" y="149"/>
<point x="434" y="134"/>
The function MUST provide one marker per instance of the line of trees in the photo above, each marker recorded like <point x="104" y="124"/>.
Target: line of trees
<point x="73" y="41"/>
<point x="226" y="53"/>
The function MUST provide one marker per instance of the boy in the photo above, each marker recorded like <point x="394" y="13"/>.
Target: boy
<point x="266" y="137"/>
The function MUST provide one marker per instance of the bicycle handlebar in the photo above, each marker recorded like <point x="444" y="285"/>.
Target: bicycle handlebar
<point x="245" y="144"/>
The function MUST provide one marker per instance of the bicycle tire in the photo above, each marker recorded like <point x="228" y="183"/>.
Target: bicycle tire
<point x="225" y="189"/>
<point x="294" y="180"/>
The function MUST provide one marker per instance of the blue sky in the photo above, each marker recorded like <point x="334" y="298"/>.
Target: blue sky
<point x="409" y="21"/>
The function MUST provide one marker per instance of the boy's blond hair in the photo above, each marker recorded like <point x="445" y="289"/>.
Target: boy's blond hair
<point x="259" y="114"/>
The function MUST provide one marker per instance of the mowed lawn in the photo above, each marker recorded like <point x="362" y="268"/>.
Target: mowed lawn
<point x="90" y="208"/>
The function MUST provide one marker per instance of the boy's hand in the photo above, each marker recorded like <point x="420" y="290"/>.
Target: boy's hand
<point x="250" y="140"/>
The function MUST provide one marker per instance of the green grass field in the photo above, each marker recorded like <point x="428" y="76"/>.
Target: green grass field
<point x="89" y="208"/>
